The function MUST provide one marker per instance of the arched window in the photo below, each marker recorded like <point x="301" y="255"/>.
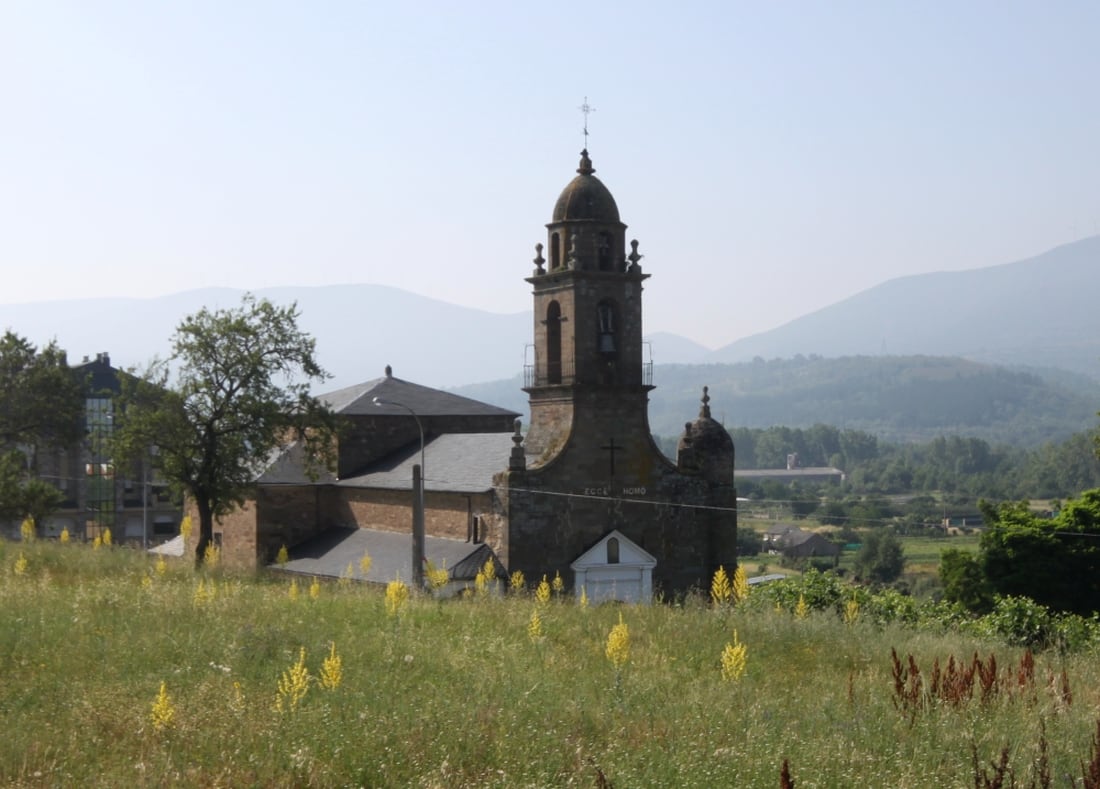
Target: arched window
<point x="553" y="343"/>
<point x="613" y="550"/>
<point x="605" y="323"/>
<point x="555" y="251"/>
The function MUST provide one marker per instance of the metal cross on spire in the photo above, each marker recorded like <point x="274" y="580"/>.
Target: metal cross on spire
<point x="587" y="109"/>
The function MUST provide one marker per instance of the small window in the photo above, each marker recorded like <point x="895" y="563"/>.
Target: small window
<point x="613" y="550"/>
<point x="605" y="319"/>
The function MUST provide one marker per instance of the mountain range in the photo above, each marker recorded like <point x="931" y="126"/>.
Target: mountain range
<point x="1037" y="313"/>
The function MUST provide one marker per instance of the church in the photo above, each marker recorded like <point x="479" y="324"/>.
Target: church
<point x="585" y="492"/>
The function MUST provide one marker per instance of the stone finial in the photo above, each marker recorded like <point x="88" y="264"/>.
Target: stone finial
<point x="517" y="461"/>
<point x="585" y="167"/>
<point x="704" y="409"/>
<point x="389" y="371"/>
<point x="634" y="257"/>
<point x="540" y="261"/>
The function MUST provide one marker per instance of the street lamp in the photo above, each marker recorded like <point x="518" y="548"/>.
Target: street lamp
<point x="418" y="550"/>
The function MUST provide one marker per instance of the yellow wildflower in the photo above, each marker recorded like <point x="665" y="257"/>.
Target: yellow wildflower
<point x="584" y="597"/>
<point x="163" y="712"/>
<point x="558" y="585"/>
<point x="21" y="564"/>
<point x="734" y="658"/>
<point x="397" y="594"/>
<point x="618" y="644"/>
<point x="97" y="542"/>
<point x="283" y="556"/>
<point x="721" y="590"/>
<point x="516" y="582"/>
<point x="801" y="610"/>
<point x="740" y="584"/>
<point x="534" y="627"/>
<point x="106" y="536"/>
<point x="204" y="593"/>
<point x="542" y="593"/>
<point x="210" y="556"/>
<point x="185" y="528"/>
<point x="365" y="563"/>
<point x="315" y="589"/>
<point x="347" y="575"/>
<point x="292" y="592"/>
<point x="332" y="670"/>
<point x="162" y="565"/>
<point x="437" y="577"/>
<point x="851" y="611"/>
<point x="65" y="536"/>
<point x="26" y="530"/>
<point x="293" y="685"/>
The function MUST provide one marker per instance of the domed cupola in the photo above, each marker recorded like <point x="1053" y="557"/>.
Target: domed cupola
<point x="585" y="198"/>
<point x="707" y="446"/>
<point x="585" y="233"/>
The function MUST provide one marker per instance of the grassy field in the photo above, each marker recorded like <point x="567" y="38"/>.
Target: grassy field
<point x="471" y="693"/>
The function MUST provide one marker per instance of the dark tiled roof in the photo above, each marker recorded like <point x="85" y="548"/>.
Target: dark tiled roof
<point x="287" y="466"/>
<point x="423" y="400"/>
<point x="456" y="462"/>
<point x="330" y="554"/>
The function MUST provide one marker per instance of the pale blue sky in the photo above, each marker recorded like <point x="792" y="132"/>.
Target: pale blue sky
<point x="771" y="158"/>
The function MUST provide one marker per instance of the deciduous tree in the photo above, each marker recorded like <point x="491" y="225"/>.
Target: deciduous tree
<point x="880" y="558"/>
<point x="41" y="399"/>
<point x="235" y="389"/>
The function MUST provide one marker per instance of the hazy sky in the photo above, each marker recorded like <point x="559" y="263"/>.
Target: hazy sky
<point x="771" y="157"/>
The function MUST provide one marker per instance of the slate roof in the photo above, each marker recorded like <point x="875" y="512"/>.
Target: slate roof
<point x="423" y="400"/>
<point x="455" y="462"/>
<point x="329" y="554"/>
<point x="288" y="467"/>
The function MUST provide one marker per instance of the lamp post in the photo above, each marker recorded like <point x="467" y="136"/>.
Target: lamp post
<point x="418" y="499"/>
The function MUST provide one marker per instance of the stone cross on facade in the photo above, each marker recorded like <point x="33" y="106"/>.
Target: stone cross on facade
<point x="612" y="448"/>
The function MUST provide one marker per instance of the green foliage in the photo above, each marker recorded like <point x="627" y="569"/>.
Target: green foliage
<point x="41" y="400"/>
<point x="964" y="582"/>
<point x="1054" y="561"/>
<point x="41" y="403"/>
<point x="22" y="496"/>
<point x="749" y="542"/>
<point x="1019" y="621"/>
<point x="881" y="558"/>
<point x="240" y="389"/>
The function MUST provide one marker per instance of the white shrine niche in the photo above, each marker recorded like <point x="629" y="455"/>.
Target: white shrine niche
<point x="615" y="568"/>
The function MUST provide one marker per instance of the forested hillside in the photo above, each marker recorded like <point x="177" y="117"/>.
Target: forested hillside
<point x="895" y="398"/>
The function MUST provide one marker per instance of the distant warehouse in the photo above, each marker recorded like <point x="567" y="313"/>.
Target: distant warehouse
<point x="794" y="472"/>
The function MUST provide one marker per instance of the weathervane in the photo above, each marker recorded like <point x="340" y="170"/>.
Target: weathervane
<point x="586" y="108"/>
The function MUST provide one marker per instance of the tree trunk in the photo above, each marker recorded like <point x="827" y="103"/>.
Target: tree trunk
<point x="206" y="531"/>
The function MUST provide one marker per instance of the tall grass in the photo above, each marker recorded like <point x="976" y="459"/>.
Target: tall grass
<point x="458" y="694"/>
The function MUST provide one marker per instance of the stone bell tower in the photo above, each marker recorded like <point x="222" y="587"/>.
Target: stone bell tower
<point x="588" y="368"/>
<point x="588" y="472"/>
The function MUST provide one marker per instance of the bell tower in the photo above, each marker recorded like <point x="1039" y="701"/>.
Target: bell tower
<point x="589" y="472"/>
<point x="588" y="368"/>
